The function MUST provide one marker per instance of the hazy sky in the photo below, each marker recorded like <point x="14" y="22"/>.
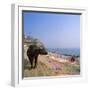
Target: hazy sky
<point x="54" y="30"/>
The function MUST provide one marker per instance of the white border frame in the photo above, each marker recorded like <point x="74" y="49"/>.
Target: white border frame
<point x="16" y="54"/>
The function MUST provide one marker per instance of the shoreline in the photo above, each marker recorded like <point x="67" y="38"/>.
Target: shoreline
<point x="63" y="58"/>
<point x="65" y="51"/>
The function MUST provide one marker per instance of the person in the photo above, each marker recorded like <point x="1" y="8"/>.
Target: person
<point x="72" y="59"/>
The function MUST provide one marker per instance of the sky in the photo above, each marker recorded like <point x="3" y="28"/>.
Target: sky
<point x="55" y="30"/>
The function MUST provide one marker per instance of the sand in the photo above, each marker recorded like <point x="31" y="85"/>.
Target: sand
<point x="52" y="65"/>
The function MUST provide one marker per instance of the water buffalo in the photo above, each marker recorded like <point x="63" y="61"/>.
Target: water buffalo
<point x="33" y="52"/>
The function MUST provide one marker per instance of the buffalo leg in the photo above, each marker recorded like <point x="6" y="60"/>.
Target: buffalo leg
<point x="31" y="61"/>
<point x="35" y="61"/>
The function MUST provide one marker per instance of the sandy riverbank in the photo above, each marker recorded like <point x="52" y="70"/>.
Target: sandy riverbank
<point x="52" y="65"/>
